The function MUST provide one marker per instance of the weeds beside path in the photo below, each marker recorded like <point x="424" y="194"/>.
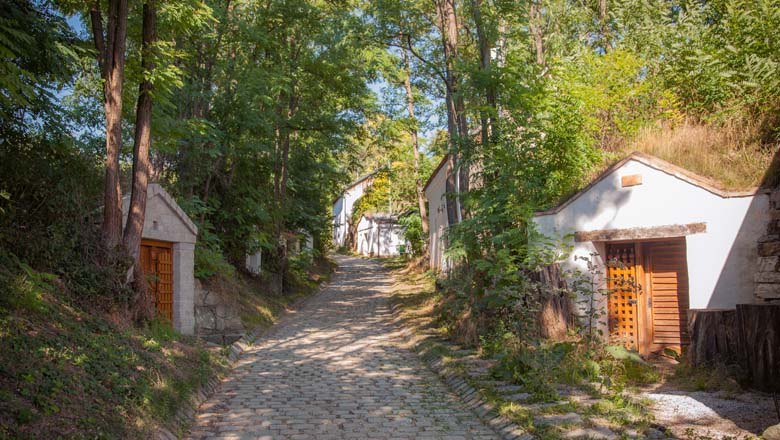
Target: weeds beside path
<point x="572" y="410"/>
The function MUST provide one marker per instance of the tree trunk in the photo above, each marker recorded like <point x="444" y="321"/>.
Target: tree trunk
<point x="486" y="116"/>
<point x="143" y="127"/>
<point x="448" y="27"/>
<point x="288" y="103"/>
<point x="604" y="25"/>
<point x="415" y="147"/>
<point x="111" y="59"/>
<point x="714" y="337"/>
<point x="535" y="28"/>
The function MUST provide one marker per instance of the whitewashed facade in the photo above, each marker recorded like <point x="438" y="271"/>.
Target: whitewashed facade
<point x="342" y="208"/>
<point x="643" y="199"/>
<point x="380" y="235"/>
<point x="435" y="190"/>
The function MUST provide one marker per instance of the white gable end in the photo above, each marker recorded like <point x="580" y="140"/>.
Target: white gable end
<point x="721" y="254"/>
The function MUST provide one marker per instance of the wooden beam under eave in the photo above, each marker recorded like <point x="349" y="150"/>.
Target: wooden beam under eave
<point x="666" y="231"/>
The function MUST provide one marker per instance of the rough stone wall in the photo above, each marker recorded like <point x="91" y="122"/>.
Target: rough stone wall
<point x="768" y="270"/>
<point x="216" y="317"/>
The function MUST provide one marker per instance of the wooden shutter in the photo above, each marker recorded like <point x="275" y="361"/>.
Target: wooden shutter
<point x="668" y="275"/>
<point x="622" y="286"/>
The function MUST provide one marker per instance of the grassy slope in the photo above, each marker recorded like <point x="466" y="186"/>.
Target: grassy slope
<point x="66" y="372"/>
<point x="733" y="154"/>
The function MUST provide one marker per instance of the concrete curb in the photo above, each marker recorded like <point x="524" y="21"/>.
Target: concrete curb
<point x="185" y="416"/>
<point x="470" y="396"/>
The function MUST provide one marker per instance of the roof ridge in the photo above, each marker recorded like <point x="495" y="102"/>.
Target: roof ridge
<point x="705" y="183"/>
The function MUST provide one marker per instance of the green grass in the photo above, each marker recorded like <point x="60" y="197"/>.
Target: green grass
<point x="66" y="372"/>
<point x="541" y="367"/>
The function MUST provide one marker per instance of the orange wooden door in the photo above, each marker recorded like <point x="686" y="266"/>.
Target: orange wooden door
<point x="623" y="299"/>
<point x="157" y="262"/>
<point x="667" y="272"/>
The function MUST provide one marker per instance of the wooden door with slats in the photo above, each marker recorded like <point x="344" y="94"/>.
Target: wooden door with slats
<point x="157" y="262"/>
<point x="623" y="295"/>
<point x="667" y="272"/>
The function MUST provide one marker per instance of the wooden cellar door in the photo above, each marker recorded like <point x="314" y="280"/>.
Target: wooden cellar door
<point x="157" y="262"/>
<point x="623" y="298"/>
<point x="667" y="269"/>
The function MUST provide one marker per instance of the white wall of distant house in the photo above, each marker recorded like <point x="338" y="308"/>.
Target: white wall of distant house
<point x="437" y="219"/>
<point x="379" y="238"/>
<point x="721" y="261"/>
<point x="342" y="210"/>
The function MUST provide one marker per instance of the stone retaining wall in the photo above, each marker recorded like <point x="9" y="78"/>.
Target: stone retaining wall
<point x="768" y="269"/>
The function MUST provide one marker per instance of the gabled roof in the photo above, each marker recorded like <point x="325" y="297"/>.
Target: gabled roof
<point x="156" y="190"/>
<point x="363" y="178"/>
<point x="436" y="171"/>
<point x="692" y="178"/>
<point x="357" y="182"/>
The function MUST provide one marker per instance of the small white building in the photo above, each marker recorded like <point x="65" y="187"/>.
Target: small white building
<point x="342" y="207"/>
<point x="668" y="240"/>
<point x="380" y="235"/>
<point x="168" y="257"/>
<point x="435" y="190"/>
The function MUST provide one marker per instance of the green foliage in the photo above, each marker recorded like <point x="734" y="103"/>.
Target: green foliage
<point x="38" y="55"/>
<point x="376" y="197"/>
<point x="109" y="382"/>
<point x="413" y="232"/>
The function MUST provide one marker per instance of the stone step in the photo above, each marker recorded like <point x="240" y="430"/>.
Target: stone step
<point x="505" y="389"/>
<point x="590" y="433"/>
<point x="558" y="419"/>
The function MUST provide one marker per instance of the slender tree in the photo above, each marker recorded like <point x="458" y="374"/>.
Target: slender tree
<point x="110" y="46"/>
<point x="456" y="119"/>
<point x="141" y="165"/>
<point x="415" y="141"/>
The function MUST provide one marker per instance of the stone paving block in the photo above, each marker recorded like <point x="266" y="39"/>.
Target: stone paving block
<point x="558" y="419"/>
<point x="338" y="369"/>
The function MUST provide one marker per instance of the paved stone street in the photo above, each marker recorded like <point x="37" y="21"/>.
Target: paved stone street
<point x="336" y="370"/>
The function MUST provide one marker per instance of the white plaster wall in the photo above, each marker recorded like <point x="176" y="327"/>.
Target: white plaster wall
<point x="721" y="261"/>
<point x="380" y="239"/>
<point x="254" y="263"/>
<point x="339" y="223"/>
<point x="437" y="219"/>
<point x="184" y="288"/>
<point x="342" y="210"/>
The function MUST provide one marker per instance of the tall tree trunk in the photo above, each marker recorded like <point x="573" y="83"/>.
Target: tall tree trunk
<point x="535" y="28"/>
<point x="415" y="146"/>
<point x="486" y="116"/>
<point x="111" y="58"/>
<point x="288" y="101"/>
<point x="604" y="25"/>
<point x="141" y="143"/>
<point x="456" y="127"/>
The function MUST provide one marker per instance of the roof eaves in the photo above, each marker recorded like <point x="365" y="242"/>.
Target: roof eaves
<point x="690" y="177"/>
<point x="436" y="171"/>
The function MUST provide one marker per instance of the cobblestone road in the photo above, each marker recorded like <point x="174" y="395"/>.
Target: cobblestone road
<point x="336" y="370"/>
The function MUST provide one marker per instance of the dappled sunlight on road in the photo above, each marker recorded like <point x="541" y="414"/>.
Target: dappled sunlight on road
<point x="337" y="369"/>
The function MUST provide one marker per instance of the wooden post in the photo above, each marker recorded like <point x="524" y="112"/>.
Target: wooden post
<point x="714" y="337"/>
<point x="759" y="328"/>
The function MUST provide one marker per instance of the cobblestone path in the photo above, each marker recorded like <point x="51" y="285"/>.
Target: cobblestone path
<point x="336" y="370"/>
